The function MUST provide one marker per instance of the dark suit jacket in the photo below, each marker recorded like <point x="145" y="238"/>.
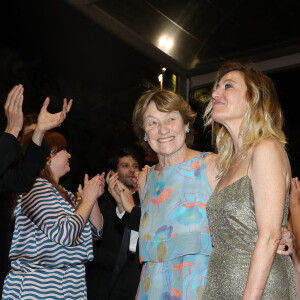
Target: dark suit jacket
<point x="21" y="179"/>
<point x="100" y="272"/>
<point x="126" y="273"/>
<point x="17" y="180"/>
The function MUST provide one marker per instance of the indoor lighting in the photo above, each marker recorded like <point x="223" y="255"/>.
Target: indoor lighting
<point x="165" y="43"/>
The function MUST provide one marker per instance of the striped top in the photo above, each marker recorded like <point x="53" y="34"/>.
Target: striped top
<point x="49" y="243"/>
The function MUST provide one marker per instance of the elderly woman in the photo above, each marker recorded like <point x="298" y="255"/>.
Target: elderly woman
<point x="250" y="203"/>
<point x="53" y="235"/>
<point x="175" y="242"/>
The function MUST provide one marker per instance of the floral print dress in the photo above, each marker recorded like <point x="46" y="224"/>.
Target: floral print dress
<point x="175" y="242"/>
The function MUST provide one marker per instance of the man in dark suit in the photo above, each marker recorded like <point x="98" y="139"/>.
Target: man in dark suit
<point x="115" y="271"/>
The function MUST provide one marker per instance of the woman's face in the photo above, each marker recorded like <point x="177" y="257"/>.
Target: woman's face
<point x="165" y="130"/>
<point x="59" y="164"/>
<point x="229" y="99"/>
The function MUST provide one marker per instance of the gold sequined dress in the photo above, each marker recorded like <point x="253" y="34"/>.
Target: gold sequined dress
<point x="231" y="217"/>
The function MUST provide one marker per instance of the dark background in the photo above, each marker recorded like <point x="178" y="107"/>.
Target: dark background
<point x="55" y="51"/>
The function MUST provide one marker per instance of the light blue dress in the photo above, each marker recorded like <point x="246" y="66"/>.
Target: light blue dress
<point x="49" y="248"/>
<point x="175" y="242"/>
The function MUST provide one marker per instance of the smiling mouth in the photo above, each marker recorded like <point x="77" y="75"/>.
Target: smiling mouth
<point x="217" y="103"/>
<point x="168" y="139"/>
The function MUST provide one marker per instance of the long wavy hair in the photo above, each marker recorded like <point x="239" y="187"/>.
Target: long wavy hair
<point x="165" y="101"/>
<point x="56" y="143"/>
<point x="263" y="118"/>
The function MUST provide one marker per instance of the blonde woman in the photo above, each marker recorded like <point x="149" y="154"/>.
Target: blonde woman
<point x="250" y="203"/>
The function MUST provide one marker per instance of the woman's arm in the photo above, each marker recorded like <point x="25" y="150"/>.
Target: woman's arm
<point x="142" y="179"/>
<point x="295" y="259"/>
<point x="295" y="208"/>
<point x="269" y="172"/>
<point x="42" y="205"/>
<point x="96" y="220"/>
<point x="89" y="208"/>
<point x="211" y="170"/>
<point x="296" y="263"/>
<point x="295" y="227"/>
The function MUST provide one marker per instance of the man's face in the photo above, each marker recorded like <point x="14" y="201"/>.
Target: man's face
<point x="127" y="167"/>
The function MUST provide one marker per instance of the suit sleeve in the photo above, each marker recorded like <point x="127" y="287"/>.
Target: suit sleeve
<point x="10" y="149"/>
<point x="133" y="221"/>
<point x="21" y="179"/>
<point x="42" y="206"/>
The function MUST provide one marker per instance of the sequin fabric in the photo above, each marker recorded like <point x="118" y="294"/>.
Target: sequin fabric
<point x="231" y="217"/>
<point x="175" y="241"/>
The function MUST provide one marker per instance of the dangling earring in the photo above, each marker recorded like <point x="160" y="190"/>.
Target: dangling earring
<point x="145" y="138"/>
<point x="187" y="130"/>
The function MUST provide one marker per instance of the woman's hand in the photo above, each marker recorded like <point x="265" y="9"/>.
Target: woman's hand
<point x="92" y="189"/>
<point x="13" y="110"/>
<point x="89" y="194"/>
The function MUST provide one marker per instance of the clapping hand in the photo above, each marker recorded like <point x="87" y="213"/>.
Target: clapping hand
<point x="126" y="197"/>
<point x="13" y="110"/>
<point x="93" y="188"/>
<point x="111" y="180"/>
<point x="47" y="121"/>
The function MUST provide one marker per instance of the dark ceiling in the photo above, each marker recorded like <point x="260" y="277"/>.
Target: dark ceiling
<point x="204" y="32"/>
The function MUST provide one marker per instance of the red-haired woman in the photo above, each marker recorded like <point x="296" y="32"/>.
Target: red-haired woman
<point x="53" y="235"/>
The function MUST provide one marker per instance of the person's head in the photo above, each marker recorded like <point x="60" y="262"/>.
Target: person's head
<point x="163" y="122"/>
<point x="57" y="164"/>
<point x="244" y="96"/>
<point x="125" y="162"/>
<point x="29" y="123"/>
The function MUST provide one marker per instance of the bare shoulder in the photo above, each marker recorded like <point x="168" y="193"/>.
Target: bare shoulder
<point x="211" y="158"/>
<point x="210" y="161"/>
<point x="267" y="145"/>
<point x="142" y="178"/>
<point x="211" y="169"/>
<point x="269" y="150"/>
<point x="268" y="156"/>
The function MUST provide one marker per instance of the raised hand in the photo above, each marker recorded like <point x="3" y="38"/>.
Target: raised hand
<point x="13" y="110"/>
<point x="47" y="121"/>
<point x="89" y="207"/>
<point x="92" y="189"/>
<point x="111" y="180"/>
<point x="126" y="197"/>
